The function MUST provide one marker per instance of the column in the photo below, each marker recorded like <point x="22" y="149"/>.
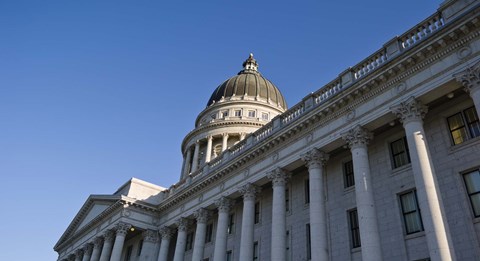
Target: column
<point x="470" y="79"/>
<point x="78" y="255"/>
<point x="223" y="204"/>
<point x="242" y="136"/>
<point x="166" y="234"/>
<point x="182" y="224"/>
<point x="208" y="152"/>
<point x="97" y="247"/>
<point x="224" y="141"/>
<point x="195" y="156"/>
<point x="107" y="245"/>
<point x="202" y="216"/>
<point x="357" y="139"/>
<point x="248" y="218"/>
<point x="150" y="239"/>
<point x="186" y="163"/>
<point x="411" y="114"/>
<point x="315" y="160"/>
<point x="279" y="178"/>
<point x="122" y="229"/>
<point x="87" y="252"/>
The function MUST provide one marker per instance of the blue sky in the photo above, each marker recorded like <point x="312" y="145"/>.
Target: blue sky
<point x="93" y="93"/>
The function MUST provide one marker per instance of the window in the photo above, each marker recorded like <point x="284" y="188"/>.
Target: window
<point x="257" y="212"/>
<point x="128" y="255"/>
<point x="206" y="259"/>
<point x="411" y="212"/>
<point x="354" y="228"/>
<point x="255" y="250"/>
<point x="229" y="256"/>
<point x="189" y="244"/>
<point x="472" y="182"/>
<point x="140" y="246"/>
<point x="307" y="191"/>
<point x="251" y="114"/>
<point x="400" y="154"/>
<point x="231" y="224"/>
<point x="265" y="116"/>
<point x="224" y="114"/>
<point x="238" y="113"/>
<point x="348" y="177"/>
<point x="287" y="245"/>
<point x="213" y="116"/>
<point x="287" y="199"/>
<point x="209" y="234"/>
<point x="464" y="125"/>
<point x="309" y="242"/>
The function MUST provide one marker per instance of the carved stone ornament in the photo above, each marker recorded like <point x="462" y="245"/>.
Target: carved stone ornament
<point x="126" y="213"/>
<point x="358" y="136"/>
<point x="470" y="78"/>
<point x="200" y="198"/>
<point x="249" y="191"/>
<point x="122" y="228"/>
<point x="410" y="110"/>
<point x="275" y="157"/>
<point x="314" y="158"/>
<point x="78" y="253"/>
<point x="401" y="87"/>
<point x="182" y="224"/>
<point x="97" y="242"/>
<point x="350" y="115"/>
<point x="309" y="138"/>
<point x="71" y="257"/>
<point x="202" y="215"/>
<point x="464" y="52"/>
<point x="150" y="236"/>
<point x="88" y="248"/>
<point x="279" y="177"/>
<point x="165" y="232"/>
<point x="108" y="236"/>
<point x="246" y="173"/>
<point x="222" y="186"/>
<point x="223" y="204"/>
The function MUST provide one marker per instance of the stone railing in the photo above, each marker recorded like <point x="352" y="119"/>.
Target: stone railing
<point x="391" y="49"/>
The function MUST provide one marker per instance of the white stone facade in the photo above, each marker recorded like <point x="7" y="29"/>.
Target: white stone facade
<point x="380" y="164"/>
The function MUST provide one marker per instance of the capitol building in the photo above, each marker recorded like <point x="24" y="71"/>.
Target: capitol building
<point x="381" y="163"/>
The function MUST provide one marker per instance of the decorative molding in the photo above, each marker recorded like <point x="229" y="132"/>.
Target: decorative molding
<point x="400" y="88"/>
<point x="358" y="136"/>
<point x="314" y="158"/>
<point x="279" y="177"/>
<point x="409" y="110"/>
<point x="464" y="52"/>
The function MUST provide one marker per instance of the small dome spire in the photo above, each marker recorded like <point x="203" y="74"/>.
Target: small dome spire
<point x="250" y="63"/>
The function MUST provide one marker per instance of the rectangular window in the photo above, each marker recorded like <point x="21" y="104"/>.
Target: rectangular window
<point x="307" y="191"/>
<point x="128" y="254"/>
<point x="354" y="228"/>
<point x="209" y="233"/>
<point x="224" y="114"/>
<point x="309" y="243"/>
<point x="265" y="116"/>
<point x="140" y="246"/>
<point x="411" y="212"/>
<point x="255" y="250"/>
<point x="287" y="199"/>
<point x="231" y="224"/>
<point x="287" y="245"/>
<point x="251" y="114"/>
<point x="238" y="113"/>
<point x="472" y="182"/>
<point x="189" y="243"/>
<point x="257" y="212"/>
<point x="464" y="125"/>
<point x="348" y="178"/>
<point x="229" y="255"/>
<point x="400" y="154"/>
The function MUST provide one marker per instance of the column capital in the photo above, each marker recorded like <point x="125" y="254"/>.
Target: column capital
<point x="97" y="242"/>
<point x="165" y="232"/>
<point x="202" y="215"/>
<point x="71" y="257"/>
<point x="108" y="236"/>
<point x="209" y="137"/>
<point x="78" y="253"/>
<point x="223" y="204"/>
<point x="182" y="224"/>
<point x="410" y="110"/>
<point x="470" y="78"/>
<point x="150" y="236"/>
<point x="249" y="191"/>
<point x="88" y="248"/>
<point x="358" y="136"/>
<point x="122" y="228"/>
<point x="315" y="158"/>
<point x="279" y="177"/>
<point x="224" y="134"/>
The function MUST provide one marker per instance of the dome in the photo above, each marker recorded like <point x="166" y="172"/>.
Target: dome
<point x="248" y="84"/>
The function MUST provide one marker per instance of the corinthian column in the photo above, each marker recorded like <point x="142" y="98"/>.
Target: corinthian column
<point x="223" y="204"/>
<point x="248" y="218"/>
<point x="107" y="245"/>
<point x="78" y="255"/>
<point x="87" y="252"/>
<point x="181" y="239"/>
<point x="411" y="113"/>
<point x="315" y="160"/>
<point x="208" y="152"/>
<point x="166" y="234"/>
<point x="150" y="239"/>
<point x="121" y="233"/>
<point x="97" y="247"/>
<point x="202" y="216"/>
<point x="195" y="156"/>
<point x="186" y="163"/>
<point x="279" y="178"/>
<point x="470" y="79"/>
<point x="357" y="139"/>
<point x="224" y="141"/>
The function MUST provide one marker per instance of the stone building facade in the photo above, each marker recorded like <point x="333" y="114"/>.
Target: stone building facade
<point x="382" y="163"/>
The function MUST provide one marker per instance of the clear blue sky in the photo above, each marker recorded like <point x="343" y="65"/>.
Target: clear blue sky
<point x="93" y="93"/>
